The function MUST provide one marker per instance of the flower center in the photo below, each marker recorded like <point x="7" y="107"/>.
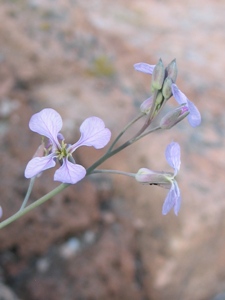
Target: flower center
<point x="61" y="153"/>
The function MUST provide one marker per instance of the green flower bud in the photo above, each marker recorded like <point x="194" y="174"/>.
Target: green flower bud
<point x="171" y="70"/>
<point x="174" y="116"/>
<point x="166" y="90"/>
<point x="156" y="106"/>
<point x="158" y="76"/>
<point x="159" y="101"/>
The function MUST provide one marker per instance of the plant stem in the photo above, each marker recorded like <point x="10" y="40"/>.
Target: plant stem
<point x="31" y="184"/>
<point x="38" y="202"/>
<point x="113" y="152"/>
<point x="125" y="129"/>
<point x="113" y="172"/>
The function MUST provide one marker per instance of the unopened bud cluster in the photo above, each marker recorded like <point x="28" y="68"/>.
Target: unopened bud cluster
<point x="161" y="86"/>
<point x="164" y="86"/>
<point x="162" y="79"/>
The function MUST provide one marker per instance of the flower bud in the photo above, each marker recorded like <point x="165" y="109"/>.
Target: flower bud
<point x="147" y="176"/>
<point x="60" y="137"/>
<point x="146" y="105"/>
<point x="166" y="90"/>
<point x="159" y="101"/>
<point x="156" y="105"/>
<point x="158" y="76"/>
<point x="171" y="70"/>
<point x="174" y="116"/>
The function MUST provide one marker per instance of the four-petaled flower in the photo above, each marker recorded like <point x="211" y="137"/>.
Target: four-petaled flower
<point x="165" y="180"/>
<point x="48" y="123"/>
<point x="194" y="116"/>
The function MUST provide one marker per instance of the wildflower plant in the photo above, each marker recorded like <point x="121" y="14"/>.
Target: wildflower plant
<point x="55" y="150"/>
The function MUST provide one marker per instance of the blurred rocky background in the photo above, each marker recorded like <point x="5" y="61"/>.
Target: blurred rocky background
<point x="105" y="238"/>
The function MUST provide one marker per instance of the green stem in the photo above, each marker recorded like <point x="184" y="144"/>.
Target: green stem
<point x="113" y="172"/>
<point x="113" y="152"/>
<point x="125" y="129"/>
<point x="40" y="201"/>
<point x="146" y="133"/>
<point x="31" y="184"/>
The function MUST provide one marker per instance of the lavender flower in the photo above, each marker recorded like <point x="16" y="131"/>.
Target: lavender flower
<point x="48" y="123"/>
<point x="165" y="180"/>
<point x="194" y="116"/>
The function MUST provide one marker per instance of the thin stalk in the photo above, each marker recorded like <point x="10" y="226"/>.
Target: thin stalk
<point x="31" y="184"/>
<point x="146" y="124"/>
<point x="124" y="130"/>
<point x="144" y="134"/>
<point x="113" y="152"/>
<point x="113" y="172"/>
<point x="38" y="202"/>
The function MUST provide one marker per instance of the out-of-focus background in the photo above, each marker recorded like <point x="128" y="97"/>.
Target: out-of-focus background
<point x="105" y="238"/>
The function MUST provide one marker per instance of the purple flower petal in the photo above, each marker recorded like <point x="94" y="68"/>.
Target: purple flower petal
<point x="47" y="123"/>
<point x="69" y="172"/>
<point x="145" y="68"/>
<point x="194" y="117"/>
<point x="1" y="212"/>
<point x="169" y="201"/>
<point x="172" y="200"/>
<point x="93" y="133"/>
<point x="178" y="199"/>
<point x="178" y="95"/>
<point x="172" y="154"/>
<point x="38" y="164"/>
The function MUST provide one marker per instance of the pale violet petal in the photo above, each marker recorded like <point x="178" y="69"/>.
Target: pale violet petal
<point x="172" y="154"/>
<point x="178" y="199"/>
<point x="173" y="200"/>
<point x="194" y="117"/>
<point x="47" y="123"/>
<point x="145" y="68"/>
<point x="38" y="164"/>
<point x="169" y="201"/>
<point x="93" y="133"/>
<point x="178" y="95"/>
<point x="1" y="212"/>
<point x="69" y="172"/>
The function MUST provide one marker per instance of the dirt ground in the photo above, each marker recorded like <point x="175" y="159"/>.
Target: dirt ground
<point x="105" y="238"/>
